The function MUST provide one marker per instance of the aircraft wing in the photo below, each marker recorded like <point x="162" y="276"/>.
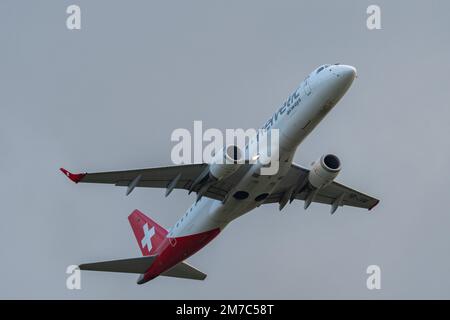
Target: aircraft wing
<point x="294" y="186"/>
<point x="186" y="177"/>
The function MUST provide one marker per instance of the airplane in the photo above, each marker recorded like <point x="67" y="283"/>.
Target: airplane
<point x="227" y="191"/>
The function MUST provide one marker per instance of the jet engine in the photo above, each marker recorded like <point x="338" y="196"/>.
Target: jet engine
<point x="226" y="162"/>
<point x="324" y="171"/>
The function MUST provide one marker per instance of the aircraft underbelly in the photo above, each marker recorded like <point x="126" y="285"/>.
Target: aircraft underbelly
<point x="212" y="214"/>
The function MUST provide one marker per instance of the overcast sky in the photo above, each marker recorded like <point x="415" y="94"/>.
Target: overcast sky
<point x="107" y="97"/>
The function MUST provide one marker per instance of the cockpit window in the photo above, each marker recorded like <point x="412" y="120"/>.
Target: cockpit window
<point x="322" y="67"/>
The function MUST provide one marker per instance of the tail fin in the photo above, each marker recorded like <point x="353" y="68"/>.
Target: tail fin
<point x="149" y="234"/>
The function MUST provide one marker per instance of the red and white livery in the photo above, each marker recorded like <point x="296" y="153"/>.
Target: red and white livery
<point x="225" y="193"/>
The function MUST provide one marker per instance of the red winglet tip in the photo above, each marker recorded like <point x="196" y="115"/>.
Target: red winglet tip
<point x="378" y="201"/>
<point x="75" y="177"/>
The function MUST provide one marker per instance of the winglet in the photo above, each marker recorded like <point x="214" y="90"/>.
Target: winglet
<point x="374" y="205"/>
<point x="75" y="177"/>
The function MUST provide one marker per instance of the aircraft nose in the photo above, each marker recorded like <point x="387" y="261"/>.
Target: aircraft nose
<point x="347" y="73"/>
<point x="338" y="79"/>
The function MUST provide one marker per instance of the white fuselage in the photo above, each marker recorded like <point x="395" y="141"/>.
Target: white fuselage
<point x="295" y="119"/>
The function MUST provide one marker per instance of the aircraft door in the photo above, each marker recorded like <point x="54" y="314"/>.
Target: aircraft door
<point x="306" y="87"/>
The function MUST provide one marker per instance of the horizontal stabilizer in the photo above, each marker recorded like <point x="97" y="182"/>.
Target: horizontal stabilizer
<point x="134" y="265"/>
<point x="184" y="270"/>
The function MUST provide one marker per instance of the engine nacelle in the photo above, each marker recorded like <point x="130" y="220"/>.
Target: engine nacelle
<point x="226" y="162"/>
<point x="324" y="171"/>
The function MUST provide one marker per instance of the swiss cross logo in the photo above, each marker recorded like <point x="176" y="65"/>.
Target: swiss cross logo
<point x="147" y="239"/>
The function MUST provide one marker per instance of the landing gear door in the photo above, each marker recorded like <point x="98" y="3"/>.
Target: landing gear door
<point x="306" y="87"/>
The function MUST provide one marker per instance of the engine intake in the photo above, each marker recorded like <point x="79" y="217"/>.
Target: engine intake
<point x="324" y="171"/>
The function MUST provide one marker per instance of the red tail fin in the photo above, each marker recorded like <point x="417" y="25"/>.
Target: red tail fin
<point x="149" y="234"/>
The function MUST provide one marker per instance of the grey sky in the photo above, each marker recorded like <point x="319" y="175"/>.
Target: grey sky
<point x="107" y="97"/>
